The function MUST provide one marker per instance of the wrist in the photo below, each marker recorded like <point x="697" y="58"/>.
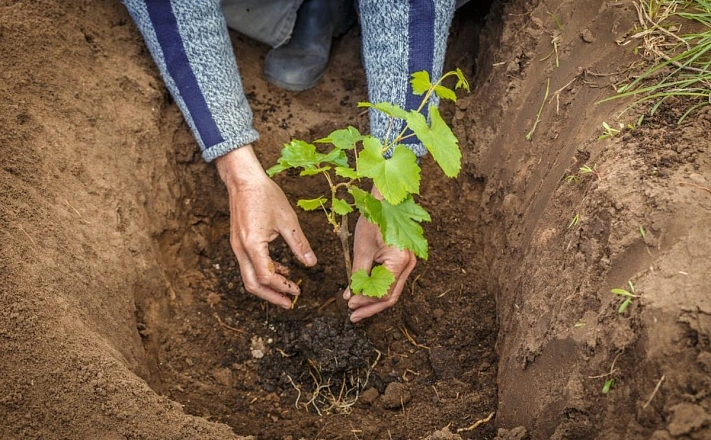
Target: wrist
<point x="239" y="166"/>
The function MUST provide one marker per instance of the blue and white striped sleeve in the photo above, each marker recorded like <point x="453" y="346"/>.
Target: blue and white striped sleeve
<point x="400" y="38"/>
<point x="190" y="44"/>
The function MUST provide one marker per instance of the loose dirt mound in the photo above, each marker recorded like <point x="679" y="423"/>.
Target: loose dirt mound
<point x="122" y="314"/>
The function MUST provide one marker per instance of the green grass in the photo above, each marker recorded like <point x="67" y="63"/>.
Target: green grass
<point x="680" y="60"/>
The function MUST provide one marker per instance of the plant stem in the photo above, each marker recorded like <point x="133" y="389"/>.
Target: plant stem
<point x="344" y="234"/>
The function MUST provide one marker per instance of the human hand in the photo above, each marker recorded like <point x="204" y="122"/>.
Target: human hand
<point x="259" y="212"/>
<point x="369" y="247"/>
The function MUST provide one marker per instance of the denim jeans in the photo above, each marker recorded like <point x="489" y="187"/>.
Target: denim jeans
<point x="268" y="21"/>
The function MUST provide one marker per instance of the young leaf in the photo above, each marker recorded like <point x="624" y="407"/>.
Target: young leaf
<point x="311" y="204"/>
<point x="276" y="169"/>
<point x="299" y="154"/>
<point x="343" y="139"/>
<point x="346" y="172"/>
<point x="395" y="177"/>
<point x="402" y="225"/>
<point x="625" y="304"/>
<point x="387" y="108"/>
<point x="608" y="386"/>
<point x="375" y="285"/>
<point x="622" y="292"/>
<point x="438" y="139"/>
<point x="340" y="206"/>
<point x="314" y="171"/>
<point x="420" y="82"/>
<point x="461" y="80"/>
<point x="369" y="206"/>
<point x="336" y="157"/>
<point x="445" y="93"/>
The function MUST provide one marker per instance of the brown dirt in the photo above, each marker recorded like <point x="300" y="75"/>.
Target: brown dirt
<point x="122" y="314"/>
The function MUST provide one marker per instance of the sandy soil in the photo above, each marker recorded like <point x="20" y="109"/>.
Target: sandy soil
<point x="122" y="314"/>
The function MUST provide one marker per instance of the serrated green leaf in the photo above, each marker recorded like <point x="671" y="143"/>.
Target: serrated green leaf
<point x="438" y="139"/>
<point x="399" y="224"/>
<point x="369" y="206"/>
<point x="445" y="93"/>
<point x="299" y="154"/>
<point x="346" y="172"/>
<point x="420" y="82"/>
<point x="461" y="80"/>
<point x="336" y="157"/>
<point x="276" y="169"/>
<point x="341" y="207"/>
<point x="313" y="171"/>
<point x="375" y="285"/>
<point x="311" y="204"/>
<point x="343" y="139"/>
<point x="387" y="108"/>
<point x="401" y="227"/>
<point x="396" y="177"/>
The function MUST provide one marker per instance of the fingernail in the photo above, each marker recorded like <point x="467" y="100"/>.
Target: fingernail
<point x="310" y="258"/>
<point x="347" y="294"/>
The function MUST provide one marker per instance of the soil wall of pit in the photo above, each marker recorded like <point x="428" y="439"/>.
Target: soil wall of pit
<point x="93" y="219"/>
<point x="559" y="244"/>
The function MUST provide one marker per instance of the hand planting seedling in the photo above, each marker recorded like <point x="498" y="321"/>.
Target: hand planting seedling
<point x="357" y="160"/>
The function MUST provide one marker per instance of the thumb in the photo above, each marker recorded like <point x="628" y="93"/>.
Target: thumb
<point x="299" y="245"/>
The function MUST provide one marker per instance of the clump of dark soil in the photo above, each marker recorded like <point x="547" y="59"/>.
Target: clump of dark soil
<point x="329" y="358"/>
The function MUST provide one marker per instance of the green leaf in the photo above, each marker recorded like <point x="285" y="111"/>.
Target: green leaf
<point x="343" y="139"/>
<point x="396" y="177"/>
<point x="420" y="82"/>
<point x="461" y="80"/>
<point x="608" y="386"/>
<point x="299" y="154"/>
<point x="401" y="225"/>
<point x="276" y="169"/>
<point x="387" y="108"/>
<point x="375" y="285"/>
<point x="445" y="93"/>
<point x="346" y="172"/>
<point x="340" y="206"/>
<point x="622" y="292"/>
<point x="336" y="157"/>
<point x="311" y="204"/>
<point x="369" y="206"/>
<point x="438" y="139"/>
<point x="625" y="304"/>
<point x="314" y="171"/>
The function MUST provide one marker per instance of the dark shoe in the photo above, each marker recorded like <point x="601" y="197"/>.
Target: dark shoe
<point x="300" y="64"/>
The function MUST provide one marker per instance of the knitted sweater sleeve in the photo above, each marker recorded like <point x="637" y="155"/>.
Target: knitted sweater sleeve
<point x="190" y="44"/>
<point x="400" y="38"/>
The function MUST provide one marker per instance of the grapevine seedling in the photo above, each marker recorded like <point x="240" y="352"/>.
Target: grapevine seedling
<point x="356" y="160"/>
<point x="628" y="294"/>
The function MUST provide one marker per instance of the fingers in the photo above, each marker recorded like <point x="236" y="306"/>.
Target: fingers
<point x="371" y="309"/>
<point x="365" y="307"/>
<point x="299" y="245"/>
<point x="261" y="279"/>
